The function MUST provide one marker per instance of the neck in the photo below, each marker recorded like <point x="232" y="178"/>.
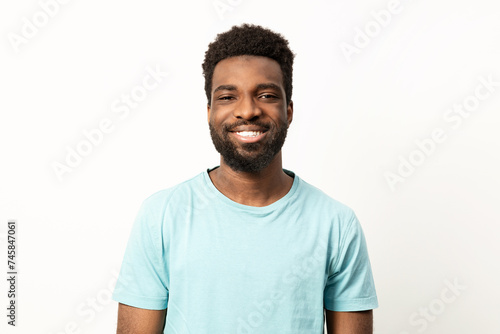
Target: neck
<point x="260" y="188"/>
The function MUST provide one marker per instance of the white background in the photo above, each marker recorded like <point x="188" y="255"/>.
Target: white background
<point x="354" y="120"/>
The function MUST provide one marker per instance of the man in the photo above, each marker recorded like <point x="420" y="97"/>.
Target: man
<point x="247" y="246"/>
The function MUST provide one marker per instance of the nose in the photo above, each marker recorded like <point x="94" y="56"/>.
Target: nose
<point x="247" y="108"/>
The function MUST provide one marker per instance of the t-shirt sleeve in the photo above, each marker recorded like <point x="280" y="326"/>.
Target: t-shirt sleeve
<point x="350" y="285"/>
<point x="142" y="281"/>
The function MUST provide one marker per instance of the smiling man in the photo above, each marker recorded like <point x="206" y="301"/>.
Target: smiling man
<point x="246" y="246"/>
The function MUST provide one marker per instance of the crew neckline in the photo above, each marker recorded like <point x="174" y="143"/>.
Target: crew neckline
<point x="255" y="209"/>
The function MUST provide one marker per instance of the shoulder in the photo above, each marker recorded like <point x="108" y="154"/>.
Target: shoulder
<point x="324" y="203"/>
<point x="161" y="199"/>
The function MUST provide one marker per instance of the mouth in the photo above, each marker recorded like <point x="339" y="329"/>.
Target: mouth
<point x="249" y="136"/>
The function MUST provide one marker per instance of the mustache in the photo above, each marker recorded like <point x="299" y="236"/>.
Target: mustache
<point x="230" y="127"/>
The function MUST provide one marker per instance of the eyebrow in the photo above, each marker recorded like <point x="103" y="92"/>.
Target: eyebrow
<point x="259" y="87"/>
<point x="225" y="87"/>
<point x="269" y="85"/>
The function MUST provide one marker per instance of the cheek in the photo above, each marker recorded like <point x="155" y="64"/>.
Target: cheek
<point x="217" y="118"/>
<point x="217" y="126"/>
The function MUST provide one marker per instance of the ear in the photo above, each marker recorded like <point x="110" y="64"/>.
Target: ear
<point x="208" y="112"/>
<point x="289" y="112"/>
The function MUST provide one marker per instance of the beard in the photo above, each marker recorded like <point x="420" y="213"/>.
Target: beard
<point x="249" y="157"/>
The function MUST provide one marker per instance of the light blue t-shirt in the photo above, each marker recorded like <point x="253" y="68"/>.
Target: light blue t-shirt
<point x="224" y="267"/>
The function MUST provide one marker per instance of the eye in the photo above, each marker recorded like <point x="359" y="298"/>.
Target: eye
<point x="225" y="98"/>
<point x="268" y="96"/>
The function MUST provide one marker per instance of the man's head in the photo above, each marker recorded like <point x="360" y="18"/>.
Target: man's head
<point x="249" y="108"/>
<point x="250" y="40"/>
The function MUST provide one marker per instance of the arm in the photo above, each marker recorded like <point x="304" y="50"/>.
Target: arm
<point x="349" y="322"/>
<point x="133" y="320"/>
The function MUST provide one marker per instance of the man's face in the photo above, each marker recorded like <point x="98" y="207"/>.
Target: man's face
<point x="248" y="116"/>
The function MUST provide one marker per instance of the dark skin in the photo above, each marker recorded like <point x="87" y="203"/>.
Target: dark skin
<point x="236" y="95"/>
<point x="349" y="322"/>
<point x="250" y="88"/>
<point x="133" y="320"/>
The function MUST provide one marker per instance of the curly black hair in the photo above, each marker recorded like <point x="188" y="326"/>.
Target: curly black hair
<point x="252" y="40"/>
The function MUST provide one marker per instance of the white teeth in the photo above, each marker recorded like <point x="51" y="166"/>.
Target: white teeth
<point x="249" y="133"/>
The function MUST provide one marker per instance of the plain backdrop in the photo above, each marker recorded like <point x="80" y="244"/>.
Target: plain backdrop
<point x="360" y="115"/>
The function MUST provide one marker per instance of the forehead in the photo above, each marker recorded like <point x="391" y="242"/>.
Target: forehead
<point x="247" y="70"/>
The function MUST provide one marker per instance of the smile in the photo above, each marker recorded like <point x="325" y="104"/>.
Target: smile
<point x="249" y="136"/>
<point x="249" y="133"/>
